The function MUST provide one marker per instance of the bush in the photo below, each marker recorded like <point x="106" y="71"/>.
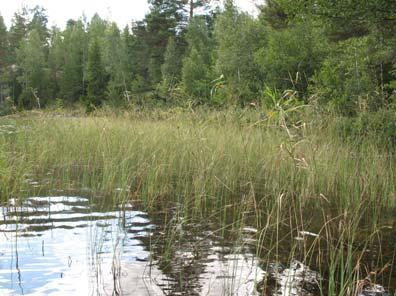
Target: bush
<point x="345" y="83"/>
<point x="379" y="126"/>
<point x="7" y="106"/>
<point x="291" y="57"/>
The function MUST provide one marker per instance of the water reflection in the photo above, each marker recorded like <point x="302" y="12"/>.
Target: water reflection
<point x="69" y="246"/>
<point x="50" y="244"/>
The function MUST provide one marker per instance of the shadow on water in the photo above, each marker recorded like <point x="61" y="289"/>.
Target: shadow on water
<point x="73" y="246"/>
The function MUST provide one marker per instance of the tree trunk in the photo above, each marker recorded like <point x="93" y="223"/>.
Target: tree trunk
<point x="191" y="9"/>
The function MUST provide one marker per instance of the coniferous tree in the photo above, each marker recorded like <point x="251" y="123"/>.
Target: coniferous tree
<point x="32" y="62"/>
<point x="96" y="77"/>
<point x="138" y="52"/>
<point x="38" y="23"/>
<point x="55" y="62"/>
<point x="4" y="44"/>
<point x="4" y="61"/>
<point x="75" y="44"/>
<point x="115" y="53"/>
<point x="196" y="74"/>
<point x="172" y="64"/>
<point x="18" y="30"/>
<point x="194" y="4"/>
<point x="165" y="20"/>
<point x="274" y="15"/>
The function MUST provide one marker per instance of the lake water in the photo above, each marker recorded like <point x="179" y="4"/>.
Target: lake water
<point x="68" y="246"/>
<point x="65" y="245"/>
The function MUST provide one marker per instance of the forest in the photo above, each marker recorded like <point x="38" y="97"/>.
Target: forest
<point x="339" y="56"/>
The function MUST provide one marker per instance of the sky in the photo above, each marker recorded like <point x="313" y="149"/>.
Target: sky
<point x="121" y="11"/>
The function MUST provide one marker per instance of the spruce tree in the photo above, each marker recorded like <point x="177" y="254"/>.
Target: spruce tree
<point x="72" y="82"/>
<point x="19" y="29"/>
<point x="4" y="61"/>
<point x="55" y="61"/>
<point x="196" y="74"/>
<point x="39" y="24"/>
<point x="115" y="58"/>
<point x="96" y="77"/>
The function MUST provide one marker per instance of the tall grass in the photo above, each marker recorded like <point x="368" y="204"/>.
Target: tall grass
<point x="186" y="157"/>
<point x="232" y="164"/>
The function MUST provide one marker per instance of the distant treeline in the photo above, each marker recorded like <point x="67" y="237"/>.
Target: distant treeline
<point x="340" y="55"/>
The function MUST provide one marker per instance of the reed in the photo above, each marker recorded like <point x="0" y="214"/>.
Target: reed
<point x="230" y="164"/>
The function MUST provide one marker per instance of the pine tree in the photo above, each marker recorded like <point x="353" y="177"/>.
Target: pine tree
<point x="194" y="4"/>
<point x="165" y="19"/>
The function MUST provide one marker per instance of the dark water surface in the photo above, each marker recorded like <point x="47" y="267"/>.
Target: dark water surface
<point x="72" y="246"/>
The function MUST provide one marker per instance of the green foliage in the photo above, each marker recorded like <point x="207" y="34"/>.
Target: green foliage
<point x="345" y="81"/>
<point x="4" y="61"/>
<point x="194" y="4"/>
<point x="238" y="37"/>
<point x="378" y="126"/>
<point x="138" y="84"/>
<point x="18" y="29"/>
<point x="4" y="44"/>
<point x="162" y="22"/>
<point x="39" y="22"/>
<point x="280" y="107"/>
<point x="170" y="69"/>
<point x="115" y="58"/>
<point x="97" y="28"/>
<point x="196" y="74"/>
<point x="96" y="77"/>
<point x="363" y="16"/>
<point x="34" y="75"/>
<point x="274" y="15"/>
<point x="291" y="57"/>
<point x="138" y="52"/>
<point x="340" y="56"/>
<point x="74" y="54"/>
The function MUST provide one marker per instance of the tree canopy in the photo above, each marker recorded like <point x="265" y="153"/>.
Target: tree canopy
<point x="342" y="52"/>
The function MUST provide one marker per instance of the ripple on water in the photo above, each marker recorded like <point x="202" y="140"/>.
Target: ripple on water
<point x="67" y="246"/>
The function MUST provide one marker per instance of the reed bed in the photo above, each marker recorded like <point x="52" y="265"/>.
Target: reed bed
<point x="233" y="165"/>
